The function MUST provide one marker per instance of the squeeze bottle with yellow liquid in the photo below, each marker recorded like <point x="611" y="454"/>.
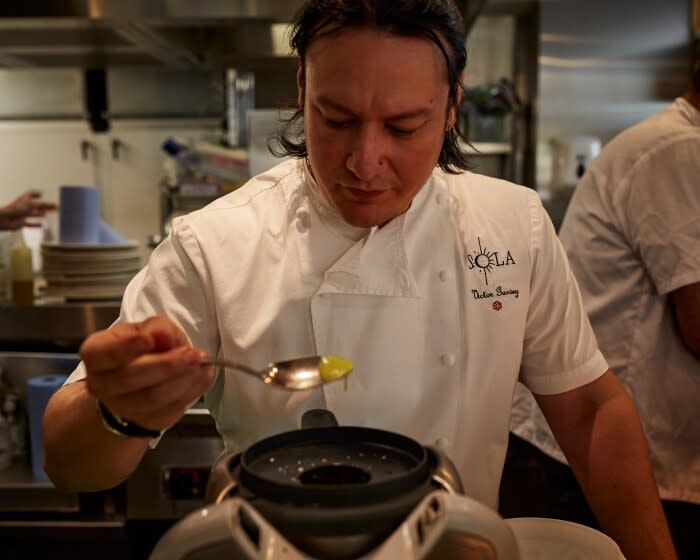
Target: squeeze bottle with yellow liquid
<point x="21" y="271"/>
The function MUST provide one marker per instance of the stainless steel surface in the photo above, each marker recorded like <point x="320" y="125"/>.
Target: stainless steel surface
<point x="503" y="43"/>
<point x="147" y="493"/>
<point x="174" y="33"/>
<point x="191" y="446"/>
<point x="63" y="525"/>
<point x="21" y="493"/>
<point x="222" y="484"/>
<point x="604" y="66"/>
<point x="153" y="9"/>
<point x="18" y="367"/>
<point x="53" y="325"/>
<point x="19" y="490"/>
<point x="240" y="100"/>
<point x="446" y="474"/>
<point x="150" y="49"/>
<point x="298" y="374"/>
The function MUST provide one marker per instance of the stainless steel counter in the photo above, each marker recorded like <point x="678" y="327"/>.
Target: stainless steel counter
<point x="168" y="483"/>
<point x="21" y="493"/>
<point x="36" y="519"/>
<point x="53" y="326"/>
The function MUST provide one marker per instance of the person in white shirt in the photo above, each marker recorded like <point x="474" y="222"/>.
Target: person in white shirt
<point x="374" y="243"/>
<point x="19" y="212"/>
<point x="632" y="234"/>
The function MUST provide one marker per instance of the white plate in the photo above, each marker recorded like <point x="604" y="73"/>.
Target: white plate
<point x="554" y="539"/>
<point x="99" y="267"/>
<point x="55" y="245"/>
<point x="82" y="293"/>
<point x="81" y="259"/>
<point x="89" y="279"/>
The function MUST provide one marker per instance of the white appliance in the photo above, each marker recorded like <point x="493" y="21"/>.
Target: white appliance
<point x="442" y="527"/>
<point x="346" y="492"/>
<point x="571" y="156"/>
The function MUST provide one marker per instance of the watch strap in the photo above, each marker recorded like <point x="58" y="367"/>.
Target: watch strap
<point x="121" y="426"/>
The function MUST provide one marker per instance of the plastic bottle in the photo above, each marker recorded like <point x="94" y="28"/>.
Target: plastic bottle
<point x="16" y="426"/>
<point x="5" y="453"/>
<point x="204" y="160"/>
<point x="5" y="446"/>
<point x="21" y="271"/>
<point x="4" y="265"/>
<point x="189" y="160"/>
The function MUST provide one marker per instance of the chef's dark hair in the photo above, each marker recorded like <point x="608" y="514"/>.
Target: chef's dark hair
<point x="430" y="19"/>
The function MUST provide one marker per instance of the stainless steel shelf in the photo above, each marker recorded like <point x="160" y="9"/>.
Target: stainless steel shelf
<point x="19" y="475"/>
<point x="21" y="492"/>
<point x="488" y="148"/>
<point x="56" y="325"/>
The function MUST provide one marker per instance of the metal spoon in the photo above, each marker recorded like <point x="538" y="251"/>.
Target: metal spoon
<point x="294" y="375"/>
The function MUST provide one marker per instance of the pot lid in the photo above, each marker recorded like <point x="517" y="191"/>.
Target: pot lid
<point x="334" y="467"/>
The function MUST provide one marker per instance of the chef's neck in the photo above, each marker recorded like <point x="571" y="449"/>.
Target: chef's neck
<point x="693" y="97"/>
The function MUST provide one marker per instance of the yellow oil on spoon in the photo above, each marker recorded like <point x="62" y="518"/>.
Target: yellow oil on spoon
<point x="332" y="368"/>
<point x="298" y="374"/>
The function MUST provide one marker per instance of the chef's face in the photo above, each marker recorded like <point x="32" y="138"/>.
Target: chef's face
<point x="375" y="114"/>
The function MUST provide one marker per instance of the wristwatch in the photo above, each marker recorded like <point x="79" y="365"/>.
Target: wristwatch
<point x="122" y="427"/>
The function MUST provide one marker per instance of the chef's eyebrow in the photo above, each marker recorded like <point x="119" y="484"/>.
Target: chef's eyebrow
<point x="327" y="103"/>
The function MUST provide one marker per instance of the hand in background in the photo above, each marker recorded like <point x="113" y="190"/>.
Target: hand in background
<point x="19" y="212"/>
<point x="146" y="372"/>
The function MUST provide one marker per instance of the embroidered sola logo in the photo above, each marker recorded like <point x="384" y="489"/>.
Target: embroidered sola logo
<point x="485" y="261"/>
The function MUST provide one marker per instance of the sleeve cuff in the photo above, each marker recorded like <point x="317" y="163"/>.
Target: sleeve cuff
<point x="559" y="382"/>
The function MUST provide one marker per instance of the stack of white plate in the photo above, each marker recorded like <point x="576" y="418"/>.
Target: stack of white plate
<point x="84" y="271"/>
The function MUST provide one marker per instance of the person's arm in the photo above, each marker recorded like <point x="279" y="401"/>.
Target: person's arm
<point x="17" y="213"/>
<point x="144" y="372"/>
<point x="79" y="453"/>
<point x="599" y="431"/>
<point x="686" y="307"/>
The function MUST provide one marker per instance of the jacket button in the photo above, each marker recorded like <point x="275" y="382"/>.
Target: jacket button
<point x="442" y="444"/>
<point x="439" y="198"/>
<point x="302" y="220"/>
<point x="447" y="360"/>
<point x="444" y="275"/>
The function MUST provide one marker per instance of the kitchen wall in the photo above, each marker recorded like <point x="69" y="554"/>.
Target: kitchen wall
<point x="45" y="141"/>
<point x="490" y="49"/>
<point x="604" y="66"/>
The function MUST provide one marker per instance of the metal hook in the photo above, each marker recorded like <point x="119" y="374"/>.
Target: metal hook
<point x="117" y="146"/>
<point x="85" y="147"/>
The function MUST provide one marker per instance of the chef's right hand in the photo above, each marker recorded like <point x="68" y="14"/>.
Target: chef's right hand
<point x="147" y="372"/>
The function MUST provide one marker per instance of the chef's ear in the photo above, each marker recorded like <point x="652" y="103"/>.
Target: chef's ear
<point x="301" y="84"/>
<point x="454" y="107"/>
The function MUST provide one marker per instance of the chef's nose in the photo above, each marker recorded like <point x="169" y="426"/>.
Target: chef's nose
<point x="367" y="157"/>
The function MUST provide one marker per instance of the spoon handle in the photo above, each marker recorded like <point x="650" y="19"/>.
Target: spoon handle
<point x="229" y="364"/>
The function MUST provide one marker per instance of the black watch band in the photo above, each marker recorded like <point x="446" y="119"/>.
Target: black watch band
<point x="122" y="427"/>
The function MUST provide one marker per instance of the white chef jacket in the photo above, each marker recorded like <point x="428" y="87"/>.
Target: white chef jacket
<point x="632" y="232"/>
<point x="440" y="310"/>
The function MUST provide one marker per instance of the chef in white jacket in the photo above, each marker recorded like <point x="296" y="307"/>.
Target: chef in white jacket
<point x="442" y="286"/>
<point x="632" y="234"/>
